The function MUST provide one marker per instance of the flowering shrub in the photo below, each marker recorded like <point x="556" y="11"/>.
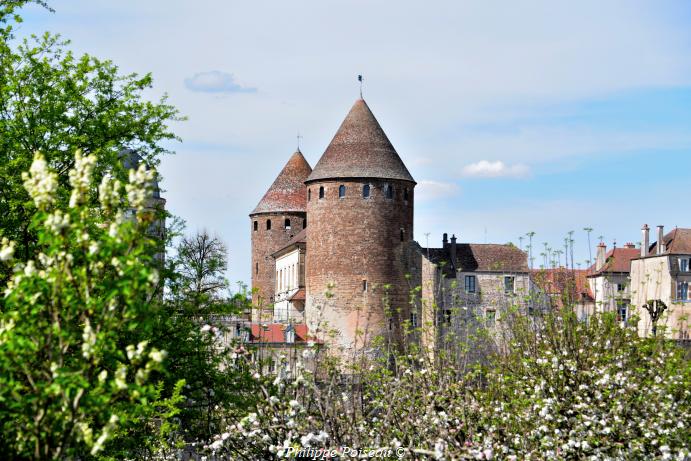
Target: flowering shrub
<point x="73" y="371"/>
<point x="562" y="390"/>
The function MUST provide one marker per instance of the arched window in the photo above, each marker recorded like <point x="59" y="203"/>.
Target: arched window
<point x="388" y="191"/>
<point x="321" y="192"/>
<point x="341" y="191"/>
<point x="405" y="194"/>
<point x="287" y="224"/>
<point x="365" y="191"/>
<point x="268" y="224"/>
<point x="256" y="226"/>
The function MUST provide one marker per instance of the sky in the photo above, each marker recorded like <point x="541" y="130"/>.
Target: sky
<point x="513" y="117"/>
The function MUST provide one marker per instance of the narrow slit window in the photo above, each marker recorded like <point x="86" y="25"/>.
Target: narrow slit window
<point x="268" y="224"/>
<point x="388" y="191"/>
<point x="365" y="191"/>
<point x="287" y="224"/>
<point x="405" y="194"/>
<point x="256" y="226"/>
<point x="341" y="191"/>
<point x="364" y="285"/>
<point x="256" y="268"/>
<point x="321" y="192"/>
<point x="309" y="194"/>
<point x="402" y="235"/>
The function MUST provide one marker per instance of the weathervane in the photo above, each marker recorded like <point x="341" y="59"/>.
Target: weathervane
<point x="360" y="79"/>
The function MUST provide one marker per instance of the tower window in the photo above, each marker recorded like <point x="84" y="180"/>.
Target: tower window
<point x="405" y="194"/>
<point x="388" y="191"/>
<point x="364" y="285"/>
<point x="402" y="235"/>
<point x="309" y="194"/>
<point x="365" y="191"/>
<point x="321" y="192"/>
<point x="268" y="224"/>
<point x="287" y="224"/>
<point x="341" y="191"/>
<point x="256" y="268"/>
<point x="304" y="223"/>
<point x="256" y="226"/>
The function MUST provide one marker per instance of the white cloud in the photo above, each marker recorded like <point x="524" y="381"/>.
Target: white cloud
<point x="431" y="190"/>
<point x="216" y="82"/>
<point x="498" y="169"/>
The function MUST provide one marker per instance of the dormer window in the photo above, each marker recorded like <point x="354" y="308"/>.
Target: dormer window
<point x="341" y="191"/>
<point x="365" y="191"/>
<point x="321" y="192"/>
<point x="287" y="224"/>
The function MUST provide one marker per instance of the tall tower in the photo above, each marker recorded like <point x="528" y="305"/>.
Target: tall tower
<point x="278" y="217"/>
<point x="360" y="206"/>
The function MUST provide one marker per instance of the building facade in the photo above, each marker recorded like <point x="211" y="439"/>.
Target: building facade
<point x="662" y="272"/>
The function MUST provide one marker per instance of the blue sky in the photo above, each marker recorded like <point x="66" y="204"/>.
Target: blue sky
<point x="512" y="116"/>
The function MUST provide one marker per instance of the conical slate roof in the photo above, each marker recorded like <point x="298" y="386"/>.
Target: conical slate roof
<point x="288" y="192"/>
<point x="360" y="149"/>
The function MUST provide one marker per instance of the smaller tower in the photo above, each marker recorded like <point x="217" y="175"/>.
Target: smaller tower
<point x="279" y="216"/>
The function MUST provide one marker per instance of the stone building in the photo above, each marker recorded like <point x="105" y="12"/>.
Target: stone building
<point x="662" y="272"/>
<point x="348" y="276"/>
<point x="563" y="287"/>
<point x="280" y="215"/>
<point x="609" y="279"/>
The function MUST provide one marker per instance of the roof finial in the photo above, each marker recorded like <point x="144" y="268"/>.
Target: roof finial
<point x="360" y="79"/>
<point x="299" y="137"/>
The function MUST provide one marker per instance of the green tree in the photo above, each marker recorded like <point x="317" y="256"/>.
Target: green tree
<point x="54" y="102"/>
<point x="71" y="380"/>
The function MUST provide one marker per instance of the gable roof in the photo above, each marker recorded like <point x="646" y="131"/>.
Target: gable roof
<point x="481" y="257"/>
<point x="617" y="260"/>
<point x="360" y="149"/>
<point x="565" y="286"/>
<point x="678" y="241"/>
<point x="288" y="192"/>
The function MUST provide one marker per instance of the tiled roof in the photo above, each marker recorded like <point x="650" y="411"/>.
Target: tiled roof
<point x="617" y="260"/>
<point x="298" y="296"/>
<point x="677" y="241"/>
<point x="360" y="149"/>
<point x="564" y="285"/>
<point x="482" y="257"/>
<point x="288" y="191"/>
<point x="275" y="332"/>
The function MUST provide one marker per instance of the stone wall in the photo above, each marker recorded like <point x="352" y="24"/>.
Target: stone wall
<point x="264" y="244"/>
<point x="352" y="243"/>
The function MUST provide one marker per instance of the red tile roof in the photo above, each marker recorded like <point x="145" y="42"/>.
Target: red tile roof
<point x="298" y="296"/>
<point x="275" y="332"/>
<point x="677" y="241"/>
<point x="564" y="285"/>
<point x="360" y="149"/>
<point x="617" y="260"/>
<point x="483" y="257"/>
<point x="288" y="191"/>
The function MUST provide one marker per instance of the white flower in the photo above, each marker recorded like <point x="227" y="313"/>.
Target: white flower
<point x="109" y="193"/>
<point x="158" y="356"/>
<point x="80" y="177"/>
<point x="40" y="182"/>
<point x="206" y="328"/>
<point x="6" y="250"/>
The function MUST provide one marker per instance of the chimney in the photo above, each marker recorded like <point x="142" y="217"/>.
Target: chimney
<point x="452" y="250"/>
<point x="445" y="240"/>
<point x="660" y="237"/>
<point x="600" y="259"/>
<point x="645" y="243"/>
<point x="629" y="245"/>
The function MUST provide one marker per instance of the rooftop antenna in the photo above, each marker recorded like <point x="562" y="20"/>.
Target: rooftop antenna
<point x="360" y="79"/>
<point x="299" y="137"/>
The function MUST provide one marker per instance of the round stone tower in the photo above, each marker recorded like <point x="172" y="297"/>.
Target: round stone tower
<point x="360" y="206"/>
<point x="278" y="217"/>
